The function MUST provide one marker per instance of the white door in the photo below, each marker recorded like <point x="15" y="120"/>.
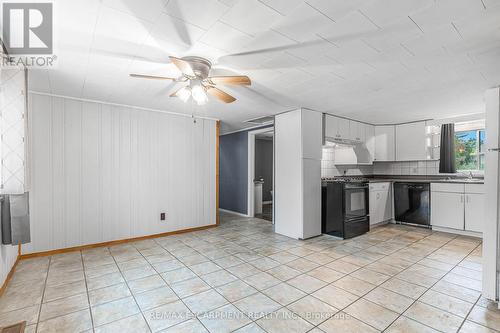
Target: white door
<point x="474" y="212"/>
<point x="447" y="210"/>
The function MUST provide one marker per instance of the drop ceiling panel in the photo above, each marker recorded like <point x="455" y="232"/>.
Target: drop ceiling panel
<point x="251" y="16"/>
<point x="202" y="13"/>
<point x="303" y="23"/>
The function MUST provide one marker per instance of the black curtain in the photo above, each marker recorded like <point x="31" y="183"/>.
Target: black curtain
<point x="447" y="154"/>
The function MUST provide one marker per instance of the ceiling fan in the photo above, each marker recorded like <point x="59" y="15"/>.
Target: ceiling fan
<point x="195" y="71"/>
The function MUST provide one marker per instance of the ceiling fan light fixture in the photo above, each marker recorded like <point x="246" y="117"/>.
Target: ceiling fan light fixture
<point x="184" y="94"/>
<point x="199" y="94"/>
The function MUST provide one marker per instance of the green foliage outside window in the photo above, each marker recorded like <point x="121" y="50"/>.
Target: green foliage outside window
<point x="469" y="152"/>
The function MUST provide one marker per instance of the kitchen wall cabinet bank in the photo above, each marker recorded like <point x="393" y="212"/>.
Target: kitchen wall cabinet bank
<point x="459" y="207"/>
<point x="298" y="143"/>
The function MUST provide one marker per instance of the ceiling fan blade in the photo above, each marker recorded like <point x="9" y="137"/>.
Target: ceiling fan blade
<point x="152" y="77"/>
<point x="221" y="95"/>
<point x="183" y="66"/>
<point x="240" y="80"/>
<point x="174" y="94"/>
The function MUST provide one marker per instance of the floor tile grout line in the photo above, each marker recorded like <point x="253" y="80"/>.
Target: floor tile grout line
<point x="87" y="291"/>
<point x="43" y="294"/>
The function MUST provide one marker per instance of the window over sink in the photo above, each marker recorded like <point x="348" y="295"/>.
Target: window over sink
<point x="470" y="150"/>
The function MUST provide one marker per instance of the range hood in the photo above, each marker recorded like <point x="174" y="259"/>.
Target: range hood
<point x="349" y="152"/>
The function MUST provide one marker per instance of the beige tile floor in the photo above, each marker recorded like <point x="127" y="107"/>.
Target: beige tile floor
<point x="243" y="277"/>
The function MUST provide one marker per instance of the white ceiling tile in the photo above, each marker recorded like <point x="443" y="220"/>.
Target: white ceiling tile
<point x="446" y="11"/>
<point x="389" y="38"/>
<point x="285" y="7"/>
<point x="149" y="11"/>
<point x="203" y="13"/>
<point x="119" y="32"/>
<point x="303" y="23"/>
<point x="225" y="37"/>
<point x="337" y="9"/>
<point x="387" y="12"/>
<point x="352" y="26"/>
<point x="251" y="16"/>
<point x="175" y="31"/>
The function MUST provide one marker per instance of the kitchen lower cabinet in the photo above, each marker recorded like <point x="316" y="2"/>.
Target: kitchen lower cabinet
<point x="447" y="210"/>
<point x="474" y="212"/>
<point x="380" y="202"/>
<point x="458" y="206"/>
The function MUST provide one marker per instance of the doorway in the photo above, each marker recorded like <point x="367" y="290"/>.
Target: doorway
<point x="261" y="173"/>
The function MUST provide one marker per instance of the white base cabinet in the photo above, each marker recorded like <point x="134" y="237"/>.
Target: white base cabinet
<point x="458" y="206"/>
<point x="380" y="202"/>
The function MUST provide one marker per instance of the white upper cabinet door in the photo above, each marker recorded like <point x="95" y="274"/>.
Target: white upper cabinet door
<point x="474" y="212"/>
<point x="448" y="210"/>
<point x="356" y="131"/>
<point x="411" y="142"/>
<point x="336" y="128"/>
<point x="385" y="143"/>
<point x="331" y="126"/>
<point x="343" y="128"/>
<point x="370" y="141"/>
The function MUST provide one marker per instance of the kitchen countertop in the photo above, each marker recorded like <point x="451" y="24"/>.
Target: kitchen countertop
<point x="423" y="179"/>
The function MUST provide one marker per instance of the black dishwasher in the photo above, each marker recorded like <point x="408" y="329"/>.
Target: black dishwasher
<point x="412" y="203"/>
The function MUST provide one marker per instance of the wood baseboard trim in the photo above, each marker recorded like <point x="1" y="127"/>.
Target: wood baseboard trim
<point x="111" y="243"/>
<point x="9" y="276"/>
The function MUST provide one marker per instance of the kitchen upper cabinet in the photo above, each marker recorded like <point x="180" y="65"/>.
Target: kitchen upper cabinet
<point x="336" y="128"/>
<point x="356" y="131"/>
<point x="370" y="141"/>
<point x="411" y="142"/>
<point x="385" y="149"/>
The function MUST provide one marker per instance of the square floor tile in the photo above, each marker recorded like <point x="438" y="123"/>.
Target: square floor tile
<point x="256" y="306"/>
<point x="353" y="285"/>
<point x="371" y="314"/>
<point x="236" y="290"/>
<point x="342" y="322"/>
<point x="189" y="287"/>
<point x="108" y="294"/>
<point x="155" y="297"/>
<point x="115" y="310"/>
<point x="205" y="301"/>
<point x="389" y="299"/>
<point x="313" y="310"/>
<point x="306" y="283"/>
<point x="336" y="297"/>
<point x="284" y="320"/>
<point x="225" y="319"/>
<point x="167" y="315"/>
<point x="433" y="317"/>
<point x="284" y="293"/>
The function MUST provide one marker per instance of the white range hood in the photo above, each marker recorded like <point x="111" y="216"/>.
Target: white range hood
<point x="349" y="152"/>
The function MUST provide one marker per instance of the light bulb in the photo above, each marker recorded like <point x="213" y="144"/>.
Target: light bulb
<point x="199" y="94"/>
<point x="184" y="94"/>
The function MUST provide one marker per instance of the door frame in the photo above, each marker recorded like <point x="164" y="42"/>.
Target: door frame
<point x="251" y="168"/>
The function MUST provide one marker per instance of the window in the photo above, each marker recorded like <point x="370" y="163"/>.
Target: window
<point x="469" y="150"/>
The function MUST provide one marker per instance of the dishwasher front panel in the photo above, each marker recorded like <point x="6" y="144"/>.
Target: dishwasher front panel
<point x="412" y="203"/>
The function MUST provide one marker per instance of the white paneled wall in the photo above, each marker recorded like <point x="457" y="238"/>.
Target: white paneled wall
<point x="103" y="172"/>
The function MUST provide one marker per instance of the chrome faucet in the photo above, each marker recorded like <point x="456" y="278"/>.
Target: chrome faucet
<point x="471" y="175"/>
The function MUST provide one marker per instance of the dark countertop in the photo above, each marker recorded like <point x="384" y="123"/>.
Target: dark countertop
<point x="423" y="179"/>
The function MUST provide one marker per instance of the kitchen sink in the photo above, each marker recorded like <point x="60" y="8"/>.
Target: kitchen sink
<point x="463" y="180"/>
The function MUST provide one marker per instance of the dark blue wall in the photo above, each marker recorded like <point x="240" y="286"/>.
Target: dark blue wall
<point x="233" y="171"/>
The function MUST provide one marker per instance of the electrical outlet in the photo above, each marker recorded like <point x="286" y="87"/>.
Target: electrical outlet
<point x="163" y="216"/>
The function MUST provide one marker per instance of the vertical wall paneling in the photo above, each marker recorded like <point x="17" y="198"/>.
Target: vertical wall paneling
<point x="102" y="172"/>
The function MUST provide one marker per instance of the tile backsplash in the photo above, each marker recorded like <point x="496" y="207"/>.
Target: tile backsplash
<point x="420" y="168"/>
